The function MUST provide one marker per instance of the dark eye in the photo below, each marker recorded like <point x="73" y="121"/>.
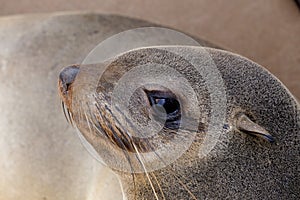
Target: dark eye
<point x="170" y="105"/>
<point x="166" y="107"/>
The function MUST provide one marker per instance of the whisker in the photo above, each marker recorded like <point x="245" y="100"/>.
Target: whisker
<point x="158" y="184"/>
<point x="67" y="113"/>
<point x="123" y="150"/>
<point x="137" y="153"/>
<point x="71" y="118"/>
<point x="139" y="156"/>
<point x="88" y="122"/>
<point x="145" y="171"/>
<point x="185" y="187"/>
<point x="64" y="111"/>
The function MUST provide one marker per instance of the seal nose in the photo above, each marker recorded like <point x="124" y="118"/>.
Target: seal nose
<point x="67" y="77"/>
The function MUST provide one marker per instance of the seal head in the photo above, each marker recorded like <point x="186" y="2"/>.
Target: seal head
<point x="256" y="151"/>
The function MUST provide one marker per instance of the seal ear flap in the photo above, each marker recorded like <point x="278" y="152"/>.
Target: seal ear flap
<point x="246" y="125"/>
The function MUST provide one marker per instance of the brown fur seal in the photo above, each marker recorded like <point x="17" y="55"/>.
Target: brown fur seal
<point x="41" y="157"/>
<point x="234" y="137"/>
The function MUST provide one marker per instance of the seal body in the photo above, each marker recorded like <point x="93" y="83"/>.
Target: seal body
<point x="241" y="164"/>
<point x="41" y="156"/>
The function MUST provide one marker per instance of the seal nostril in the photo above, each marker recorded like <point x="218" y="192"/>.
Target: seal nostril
<point x="67" y="77"/>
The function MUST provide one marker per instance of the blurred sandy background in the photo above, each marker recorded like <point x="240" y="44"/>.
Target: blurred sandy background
<point x="266" y="31"/>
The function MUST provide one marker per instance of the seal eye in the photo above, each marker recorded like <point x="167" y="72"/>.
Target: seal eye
<point x="170" y="105"/>
<point x="166" y="107"/>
